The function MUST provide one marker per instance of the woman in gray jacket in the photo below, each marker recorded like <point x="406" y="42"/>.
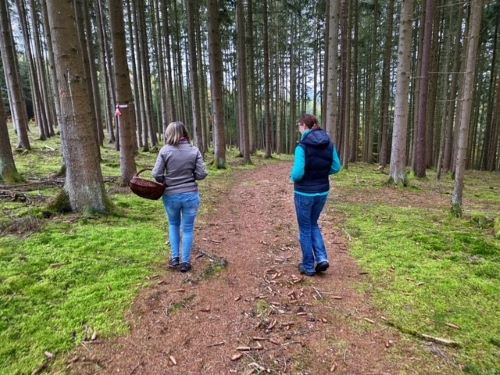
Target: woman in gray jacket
<point x="178" y="165"/>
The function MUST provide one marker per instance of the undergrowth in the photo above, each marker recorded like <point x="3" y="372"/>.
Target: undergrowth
<point x="63" y="276"/>
<point x="430" y="273"/>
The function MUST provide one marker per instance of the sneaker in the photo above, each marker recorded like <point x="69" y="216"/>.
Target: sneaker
<point x="173" y="263"/>
<point x="185" y="266"/>
<point x="322" y="266"/>
<point x="304" y="272"/>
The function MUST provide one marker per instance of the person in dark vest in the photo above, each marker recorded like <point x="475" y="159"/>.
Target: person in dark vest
<point x="316" y="158"/>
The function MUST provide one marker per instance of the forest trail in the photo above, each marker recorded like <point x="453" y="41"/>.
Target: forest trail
<point x="193" y="323"/>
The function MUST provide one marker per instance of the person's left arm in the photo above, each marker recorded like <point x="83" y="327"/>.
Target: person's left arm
<point x="299" y="164"/>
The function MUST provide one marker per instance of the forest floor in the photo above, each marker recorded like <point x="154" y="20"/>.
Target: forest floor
<point x="244" y="308"/>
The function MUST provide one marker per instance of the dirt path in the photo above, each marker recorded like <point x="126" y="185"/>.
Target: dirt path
<point x="193" y="323"/>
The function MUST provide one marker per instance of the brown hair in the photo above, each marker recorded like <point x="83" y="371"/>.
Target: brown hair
<point x="309" y="121"/>
<point x="174" y="132"/>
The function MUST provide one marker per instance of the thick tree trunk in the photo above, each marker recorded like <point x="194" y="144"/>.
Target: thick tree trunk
<point x="399" y="133"/>
<point x="8" y="171"/>
<point x="216" y="80"/>
<point x="84" y="184"/>
<point x="13" y="79"/>
<point x="465" y="114"/>
<point x="125" y="102"/>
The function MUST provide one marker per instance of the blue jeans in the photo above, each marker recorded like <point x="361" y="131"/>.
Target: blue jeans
<point x="181" y="212"/>
<point x="308" y="210"/>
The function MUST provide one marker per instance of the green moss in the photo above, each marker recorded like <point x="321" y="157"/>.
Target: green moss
<point x="428" y="268"/>
<point x="59" y="203"/>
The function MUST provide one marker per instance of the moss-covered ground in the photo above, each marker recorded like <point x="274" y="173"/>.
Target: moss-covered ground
<point x="430" y="273"/>
<point x="69" y="278"/>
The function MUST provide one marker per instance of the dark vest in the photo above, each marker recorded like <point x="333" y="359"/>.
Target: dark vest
<point x="318" y="161"/>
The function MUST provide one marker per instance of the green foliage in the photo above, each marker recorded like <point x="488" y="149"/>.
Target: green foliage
<point x="428" y="268"/>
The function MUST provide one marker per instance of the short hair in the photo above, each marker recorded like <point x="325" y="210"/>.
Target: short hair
<point x="174" y="132"/>
<point x="310" y="121"/>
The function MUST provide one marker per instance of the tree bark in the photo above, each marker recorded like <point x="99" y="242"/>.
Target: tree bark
<point x="386" y="75"/>
<point x="331" y="86"/>
<point x="465" y="113"/>
<point x="420" y="164"/>
<point x="267" y="94"/>
<point x="125" y="102"/>
<point x="399" y="133"/>
<point x="191" y="8"/>
<point x="13" y="79"/>
<point x="84" y="184"/>
<point x="8" y="171"/>
<point x="242" y="84"/>
<point x="216" y="80"/>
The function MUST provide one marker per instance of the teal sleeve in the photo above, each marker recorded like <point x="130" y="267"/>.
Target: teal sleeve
<point x="336" y="166"/>
<point x="298" y="164"/>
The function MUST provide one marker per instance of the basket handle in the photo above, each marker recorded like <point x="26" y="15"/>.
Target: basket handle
<point x="147" y="169"/>
<point x="142" y="170"/>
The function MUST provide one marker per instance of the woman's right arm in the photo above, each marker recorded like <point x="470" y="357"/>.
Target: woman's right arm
<point x="200" y="171"/>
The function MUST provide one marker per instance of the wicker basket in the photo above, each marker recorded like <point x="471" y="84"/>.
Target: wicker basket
<point x="146" y="188"/>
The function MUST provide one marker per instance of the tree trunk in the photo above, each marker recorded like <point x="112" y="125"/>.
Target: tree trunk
<point x="93" y="73"/>
<point x="169" y="86"/>
<point x="191" y="8"/>
<point x="452" y="106"/>
<point x="420" y="165"/>
<point x="52" y="72"/>
<point x="399" y="133"/>
<point x="465" y="113"/>
<point x="105" y="73"/>
<point x="8" y="171"/>
<point x="386" y="75"/>
<point x="84" y="184"/>
<point x="13" y="79"/>
<point x="216" y="80"/>
<point x="345" y="84"/>
<point x="489" y="142"/>
<point x="40" y="115"/>
<point x="370" y="121"/>
<point x="252" y="124"/>
<point x="445" y="68"/>
<point x="125" y="102"/>
<point x="47" y="102"/>
<point x="331" y="86"/>
<point x="267" y="94"/>
<point x="356" y="88"/>
<point x="242" y="85"/>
